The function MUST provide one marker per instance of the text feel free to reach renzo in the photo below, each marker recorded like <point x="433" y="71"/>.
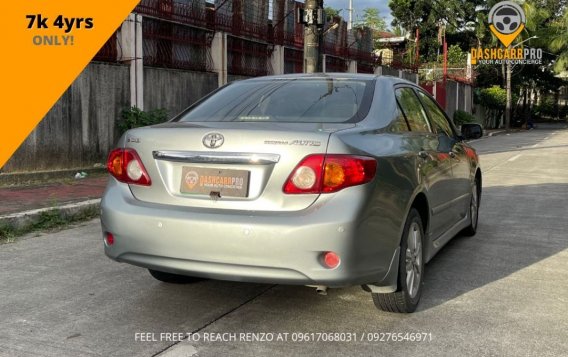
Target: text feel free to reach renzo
<point x="215" y="337"/>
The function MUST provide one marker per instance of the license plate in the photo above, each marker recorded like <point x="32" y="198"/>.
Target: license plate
<point x="205" y="181"/>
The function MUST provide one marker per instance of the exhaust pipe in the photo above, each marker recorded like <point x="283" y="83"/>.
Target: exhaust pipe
<point x="320" y="289"/>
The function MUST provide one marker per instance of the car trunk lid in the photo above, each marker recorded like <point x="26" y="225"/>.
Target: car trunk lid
<point x="236" y="166"/>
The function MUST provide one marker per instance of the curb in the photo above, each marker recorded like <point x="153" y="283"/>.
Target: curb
<point x="503" y="131"/>
<point x="23" y="220"/>
<point x="496" y="133"/>
<point x="25" y="178"/>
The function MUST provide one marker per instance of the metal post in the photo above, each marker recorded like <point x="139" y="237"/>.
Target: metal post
<point x="350" y="23"/>
<point x="132" y="51"/>
<point x="311" y="40"/>
<point x="445" y="59"/>
<point x="417" y="52"/>
<point x="509" y="97"/>
<point x="321" y="44"/>
<point x="219" y="56"/>
<point x="444" y="81"/>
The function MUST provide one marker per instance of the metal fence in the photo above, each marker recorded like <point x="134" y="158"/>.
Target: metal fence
<point x="195" y="13"/>
<point x="178" y="34"/>
<point x="283" y="29"/>
<point x="335" y="64"/>
<point x="109" y="51"/>
<point x="247" y="58"/>
<point x="293" y="60"/>
<point x="365" y="60"/>
<point x="171" y="45"/>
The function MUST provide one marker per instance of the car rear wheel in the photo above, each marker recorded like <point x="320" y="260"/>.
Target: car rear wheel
<point x="411" y="270"/>
<point x="173" y="278"/>
<point x="473" y="211"/>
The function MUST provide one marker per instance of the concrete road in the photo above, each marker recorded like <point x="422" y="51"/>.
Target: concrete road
<point x="503" y="292"/>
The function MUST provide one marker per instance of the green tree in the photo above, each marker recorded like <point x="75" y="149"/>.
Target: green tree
<point x="493" y="99"/>
<point x="559" y="42"/>
<point x="398" y="31"/>
<point x="456" y="56"/>
<point x="427" y="15"/>
<point x="373" y="20"/>
<point x="330" y="12"/>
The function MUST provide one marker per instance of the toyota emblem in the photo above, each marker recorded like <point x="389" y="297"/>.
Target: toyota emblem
<point x="213" y="140"/>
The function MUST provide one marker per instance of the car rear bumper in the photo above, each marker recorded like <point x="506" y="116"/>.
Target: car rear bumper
<point x="265" y="247"/>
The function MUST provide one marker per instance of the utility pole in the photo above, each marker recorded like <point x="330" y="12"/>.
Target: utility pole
<point x="509" y="97"/>
<point x="350" y="23"/>
<point x="313" y="17"/>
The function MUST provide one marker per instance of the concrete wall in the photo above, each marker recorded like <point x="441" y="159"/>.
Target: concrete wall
<point x="480" y="113"/>
<point x="412" y="77"/>
<point x="175" y="90"/>
<point x="451" y="88"/>
<point x="459" y="96"/>
<point x="387" y="71"/>
<point x="235" y="77"/>
<point x="79" y="130"/>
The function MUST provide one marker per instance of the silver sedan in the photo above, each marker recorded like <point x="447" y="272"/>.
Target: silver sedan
<point x="326" y="180"/>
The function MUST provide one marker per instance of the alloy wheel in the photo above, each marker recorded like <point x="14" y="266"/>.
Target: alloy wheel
<point x="473" y="206"/>
<point x="413" y="259"/>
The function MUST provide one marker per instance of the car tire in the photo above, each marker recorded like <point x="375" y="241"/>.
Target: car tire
<point x="473" y="210"/>
<point x="173" y="278"/>
<point x="411" y="267"/>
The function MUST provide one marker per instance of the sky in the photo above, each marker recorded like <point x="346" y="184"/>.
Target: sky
<point x="359" y="5"/>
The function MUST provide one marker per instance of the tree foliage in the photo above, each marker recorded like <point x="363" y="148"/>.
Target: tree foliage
<point x="494" y="100"/>
<point x="373" y="20"/>
<point x="559" y="41"/>
<point x="330" y="13"/>
<point x="466" y="25"/>
<point x="493" y="97"/>
<point x="135" y="118"/>
<point x="429" y="15"/>
<point x="462" y="117"/>
<point x="456" y="56"/>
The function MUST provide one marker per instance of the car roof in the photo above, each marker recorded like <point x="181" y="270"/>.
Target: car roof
<point x="360" y="76"/>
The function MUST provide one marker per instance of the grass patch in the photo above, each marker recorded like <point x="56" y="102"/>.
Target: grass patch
<point x="7" y="234"/>
<point x="51" y="220"/>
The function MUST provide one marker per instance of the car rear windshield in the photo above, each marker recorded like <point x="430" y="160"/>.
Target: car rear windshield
<point x="313" y="100"/>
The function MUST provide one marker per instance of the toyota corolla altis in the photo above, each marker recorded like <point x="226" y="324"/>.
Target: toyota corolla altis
<point x="325" y="180"/>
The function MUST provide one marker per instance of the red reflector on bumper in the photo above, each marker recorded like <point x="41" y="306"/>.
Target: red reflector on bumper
<point x="109" y="239"/>
<point x="331" y="260"/>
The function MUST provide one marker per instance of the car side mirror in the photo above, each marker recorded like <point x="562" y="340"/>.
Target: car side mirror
<point x="471" y="131"/>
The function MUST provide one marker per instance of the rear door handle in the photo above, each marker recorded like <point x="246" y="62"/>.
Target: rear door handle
<point x="423" y="155"/>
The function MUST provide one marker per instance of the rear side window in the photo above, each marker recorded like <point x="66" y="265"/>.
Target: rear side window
<point x="437" y="117"/>
<point x="399" y="124"/>
<point x="304" y="100"/>
<point x="413" y="110"/>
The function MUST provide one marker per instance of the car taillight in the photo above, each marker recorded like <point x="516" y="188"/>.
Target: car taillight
<point x="330" y="173"/>
<point x="306" y="177"/>
<point x="471" y="153"/>
<point x="125" y="165"/>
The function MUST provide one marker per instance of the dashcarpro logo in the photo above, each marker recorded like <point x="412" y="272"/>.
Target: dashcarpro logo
<point x="507" y="21"/>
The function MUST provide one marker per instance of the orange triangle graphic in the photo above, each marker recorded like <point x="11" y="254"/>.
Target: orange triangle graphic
<point x="505" y="39"/>
<point x="35" y="75"/>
